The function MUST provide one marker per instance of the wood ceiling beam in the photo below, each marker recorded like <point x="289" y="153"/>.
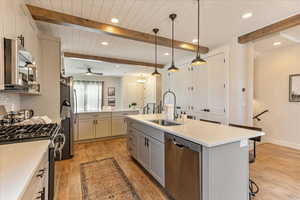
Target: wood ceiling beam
<point x="111" y="60"/>
<point x="270" y="29"/>
<point x="54" y="17"/>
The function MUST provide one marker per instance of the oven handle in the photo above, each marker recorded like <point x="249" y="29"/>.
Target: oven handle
<point x="59" y="142"/>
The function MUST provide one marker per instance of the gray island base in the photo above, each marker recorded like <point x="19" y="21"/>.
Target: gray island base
<point x="194" y="160"/>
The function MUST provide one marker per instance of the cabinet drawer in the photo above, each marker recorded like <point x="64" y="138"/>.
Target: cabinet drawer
<point x="149" y="131"/>
<point x="39" y="180"/>
<point x="124" y="113"/>
<point x="94" y="115"/>
<point x="103" y="115"/>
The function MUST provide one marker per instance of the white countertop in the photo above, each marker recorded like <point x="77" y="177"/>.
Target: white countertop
<point x="203" y="133"/>
<point x="109" y="111"/>
<point x="18" y="163"/>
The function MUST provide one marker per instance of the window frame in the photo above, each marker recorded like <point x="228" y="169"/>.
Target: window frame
<point x="85" y="93"/>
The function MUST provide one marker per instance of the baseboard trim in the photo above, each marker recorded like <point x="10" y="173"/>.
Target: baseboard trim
<point x="282" y="143"/>
<point x="100" y="139"/>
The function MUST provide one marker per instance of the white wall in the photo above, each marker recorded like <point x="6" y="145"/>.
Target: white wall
<point x="10" y="101"/>
<point x="132" y="91"/>
<point x="109" y="81"/>
<point x="14" y="21"/>
<point x="271" y="91"/>
<point x="241" y="76"/>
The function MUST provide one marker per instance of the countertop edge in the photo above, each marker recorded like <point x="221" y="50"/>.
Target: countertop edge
<point x="32" y="173"/>
<point x="106" y="111"/>
<point x="165" y="129"/>
<point x="22" y="191"/>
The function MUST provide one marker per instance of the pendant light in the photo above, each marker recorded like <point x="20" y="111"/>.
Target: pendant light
<point x="198" y="60"/>
<point x="155" y="73"/>
<point x="173" y="68"/>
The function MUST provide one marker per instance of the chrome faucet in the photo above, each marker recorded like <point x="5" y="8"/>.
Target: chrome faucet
<point x="164" y="97"/>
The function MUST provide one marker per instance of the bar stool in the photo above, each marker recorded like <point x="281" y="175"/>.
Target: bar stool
<point x="253" y="187"/>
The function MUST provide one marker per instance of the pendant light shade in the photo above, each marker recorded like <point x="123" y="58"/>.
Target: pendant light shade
<point x="198" y="60"/>
<point x="173" y="68"/>
<point x="155" y="73"/>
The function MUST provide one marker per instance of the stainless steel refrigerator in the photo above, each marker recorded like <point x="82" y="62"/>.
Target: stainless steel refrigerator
<point x="68" y="114"/>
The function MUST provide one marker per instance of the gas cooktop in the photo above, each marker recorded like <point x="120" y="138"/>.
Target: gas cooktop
<point x="14" y="134"/>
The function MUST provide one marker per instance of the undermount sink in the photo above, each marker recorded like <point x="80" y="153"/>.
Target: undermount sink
<point x="164" y="122"/>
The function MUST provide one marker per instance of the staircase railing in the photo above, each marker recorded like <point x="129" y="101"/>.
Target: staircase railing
<point x="260" y="114"/>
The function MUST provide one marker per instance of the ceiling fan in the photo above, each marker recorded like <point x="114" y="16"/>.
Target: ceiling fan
<point x="89" y="72"/>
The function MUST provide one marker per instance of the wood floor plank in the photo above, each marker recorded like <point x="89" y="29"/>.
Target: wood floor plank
<point x="276" y="171"/>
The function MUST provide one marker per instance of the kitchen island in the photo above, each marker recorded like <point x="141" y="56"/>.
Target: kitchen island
<point x="193" y="159"/>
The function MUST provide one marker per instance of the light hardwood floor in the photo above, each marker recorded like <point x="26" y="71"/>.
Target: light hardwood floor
<point x="277" y="171"/>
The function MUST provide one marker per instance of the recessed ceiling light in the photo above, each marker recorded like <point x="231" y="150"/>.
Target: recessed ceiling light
<point x="114" y="20"/>
<point x="247" y="15"/>
<point x="104" y="43"/>
<point x="166" y="54"/>
<point x="194" y="41"/>
<point x="277" y="43"/>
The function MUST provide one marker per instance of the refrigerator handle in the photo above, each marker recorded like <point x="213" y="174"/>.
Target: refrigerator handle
<point x="75" y="97"/>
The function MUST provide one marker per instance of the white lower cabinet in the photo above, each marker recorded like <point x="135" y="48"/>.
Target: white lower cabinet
<point x="118" y="126"/>
<point x="103" y="127"/>
<point x="143" y="151"/>
<point x="157" y="160"/>
<point x="86" y="129"/>
<point x="132" y="143"/>
<point x="148" y="151"/>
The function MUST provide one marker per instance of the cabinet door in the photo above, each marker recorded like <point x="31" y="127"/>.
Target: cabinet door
<point x="200" y="88"/>
<point x="188" y="88"/>
<point x="132" y="143"/>
<point x="118" y="126"/>
<point x="143" y="151"/>
<point x="103" y="127"/>
<point x="86" y="129"/>
<point x="216" y="102"/>
<point x="157" y="160"/>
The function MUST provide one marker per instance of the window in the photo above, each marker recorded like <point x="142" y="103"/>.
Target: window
<point x="89" y="95"/>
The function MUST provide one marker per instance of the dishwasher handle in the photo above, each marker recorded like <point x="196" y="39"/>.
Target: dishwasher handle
<point x="181" y="146"/>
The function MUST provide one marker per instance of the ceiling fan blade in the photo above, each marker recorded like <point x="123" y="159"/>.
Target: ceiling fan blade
<point x="98" y="74"/>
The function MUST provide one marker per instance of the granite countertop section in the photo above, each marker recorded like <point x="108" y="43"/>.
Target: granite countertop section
<point x="18" y="162"/>
<point x="109" y="111"/>
<point x="203" y="133"/>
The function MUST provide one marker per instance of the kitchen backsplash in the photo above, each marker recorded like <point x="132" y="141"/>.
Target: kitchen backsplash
<point x="10" y="101"/>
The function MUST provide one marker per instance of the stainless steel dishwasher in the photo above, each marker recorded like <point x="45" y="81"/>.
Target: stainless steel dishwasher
<point x="183" y="168"/>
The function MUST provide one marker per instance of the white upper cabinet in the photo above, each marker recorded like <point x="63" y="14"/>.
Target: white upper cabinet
<point x="216" y="102"/>
<point x="150" y="90"/>
<point x="200" y="90"/>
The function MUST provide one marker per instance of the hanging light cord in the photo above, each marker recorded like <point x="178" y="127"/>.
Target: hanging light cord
<point x="173" y="41"/>
<point x="198" y="48"/>
<point x="155" y="51"/>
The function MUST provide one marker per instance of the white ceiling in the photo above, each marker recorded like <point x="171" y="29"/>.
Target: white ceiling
<point x="89" y="43"/>
<point x="221" y="19"/>
<point x="286" y="38"/>
<point x="220" y="22"/>
<point x="75" y="67"/>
